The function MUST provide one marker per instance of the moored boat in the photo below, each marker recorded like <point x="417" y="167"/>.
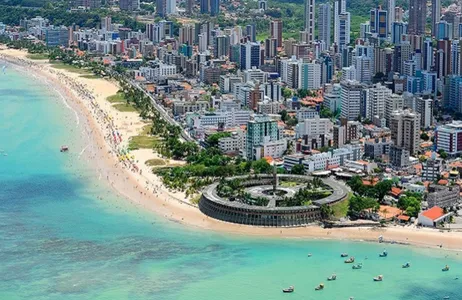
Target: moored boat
<point x="64" y="148"/>
<point x="344" y="255"/>
<point x="378" y="278"/>
<point x="350" y="260"/>
<point x="332" y="277"/>
<point x="290" y="289"/>
<point x="319" y="287"/>
<point x="357" y="267"/>
<point x="384" y="253"/>
<point x="446" y="268"/>
<point x="406" y="265"/>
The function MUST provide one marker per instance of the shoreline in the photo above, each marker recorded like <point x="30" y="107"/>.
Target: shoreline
<point x="89" y="102"/>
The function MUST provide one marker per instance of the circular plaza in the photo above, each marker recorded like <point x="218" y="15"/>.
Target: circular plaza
<point x="270" y="200"/>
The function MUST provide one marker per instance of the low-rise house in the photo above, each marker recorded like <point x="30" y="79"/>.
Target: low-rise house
<point x="433" y="216"/>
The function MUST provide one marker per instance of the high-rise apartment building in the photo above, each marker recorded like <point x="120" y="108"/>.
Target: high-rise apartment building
<point x="339" y="8"/>
<point x="276" y="31"/>
<point x="392" y="103"/>
<point x="350" y="98"/>
<point x="379" y="22"/>
<point x="376" y="101"/>
<point x="250" y="55"/>
<point x="417" y="17"/>
<point x="391" y="15"/>
<point x="129" y="5"/>
<point x="260" y="131"/>
<point x="405" y="130"/>
<point x="309" y="76"/>
<point x="309" y="20"/>
<point x="324" y="23"/>
<point x="343" y="31"/>
<point x="436" y="15"/>
<point x="161" y="8"/>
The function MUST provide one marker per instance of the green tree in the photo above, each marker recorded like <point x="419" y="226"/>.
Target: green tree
<point x="424" y="136"/>
<point x="284" y="115"/>
<point x="326" y="212"/>
<point x="356" y="185"/>
<point x="261" y="166"/>
<point x="382" y="188"/>
<point x="298" y="170"/>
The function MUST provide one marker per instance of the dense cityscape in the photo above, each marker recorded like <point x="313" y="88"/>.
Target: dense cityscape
<point x="376" y="106"/>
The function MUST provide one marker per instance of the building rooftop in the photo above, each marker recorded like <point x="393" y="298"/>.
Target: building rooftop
<point x="433" y="213"/>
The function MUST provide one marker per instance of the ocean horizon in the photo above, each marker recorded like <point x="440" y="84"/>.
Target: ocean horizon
<point x="66" y="234"/>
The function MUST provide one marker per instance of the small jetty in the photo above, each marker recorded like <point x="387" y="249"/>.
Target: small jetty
<point x="290" y="289"/>
<point x="64" y="148"/>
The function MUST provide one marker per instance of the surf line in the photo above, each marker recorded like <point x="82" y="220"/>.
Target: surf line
<point x="83" y="150"/>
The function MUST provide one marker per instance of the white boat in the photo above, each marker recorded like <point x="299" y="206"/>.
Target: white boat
<point x="378" y="278"/>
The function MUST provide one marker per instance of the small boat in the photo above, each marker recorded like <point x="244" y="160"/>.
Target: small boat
<point x="357" y="267"/>
<point x="290" y="289"/>
<point x="332" y="277"/>
<point x="378" y="278"/>
<point x="350" y="260"/>
<point x="309" y="254"/>
<point x="384" y="253"/>
<point x="64" y="148"/>
<point x="319" y="287"/>
<point x="446" y="268"/>
<point x="344" y="255"/>
<point x="406" y="265"/>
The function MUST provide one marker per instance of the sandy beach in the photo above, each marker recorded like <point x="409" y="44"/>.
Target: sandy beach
<point x="102" y="122"/>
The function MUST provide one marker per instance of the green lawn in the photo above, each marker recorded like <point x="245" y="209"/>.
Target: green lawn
<point x="142" y="142"/>
<point x="70" y="68"/>
<point x="37" y="56"/>
<point x="341" y="208"/>
<point x="124" y="107"/>
<point x="288" y="183"/>
<point x="155" y="162"/>
<point x="90" y="76"/>
<point x="117" y="98"/>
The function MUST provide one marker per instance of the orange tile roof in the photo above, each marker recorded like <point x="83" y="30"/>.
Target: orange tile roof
<point x="434" y="213"/>
<point x="442" y="182"/>
<point x="390" y="211"/>
<point x="269" y="159"/>
<point x="395" y="191"/>
<point x="403" y="218"/>
<point x="368" y="182"/>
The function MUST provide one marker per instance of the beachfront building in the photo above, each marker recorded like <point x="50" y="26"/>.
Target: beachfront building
<point x="182" y="107"/>
<point x="233" y="144"/>
<point x="158" y="72"/>
<point x="264" y="138"/>
<point x="433" y="216"/>
<point x="443" y="196"/>
<point x="227" y="119"/>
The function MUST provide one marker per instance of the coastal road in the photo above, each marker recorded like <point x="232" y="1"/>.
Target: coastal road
<point x="159" y="108"/>
<point x="163" y="112"/>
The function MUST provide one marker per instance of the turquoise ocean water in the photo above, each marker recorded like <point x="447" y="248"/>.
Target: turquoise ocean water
<point x="58" y="241"/>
